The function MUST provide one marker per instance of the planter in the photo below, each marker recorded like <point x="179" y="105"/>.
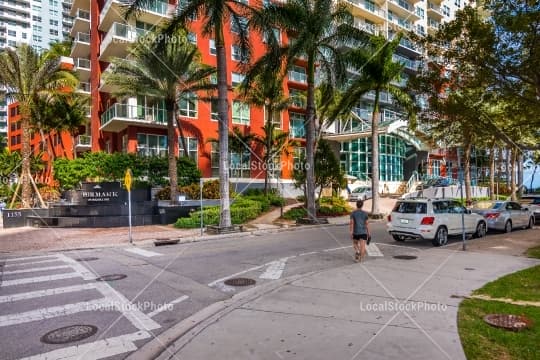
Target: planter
<point x="311" y="221"/>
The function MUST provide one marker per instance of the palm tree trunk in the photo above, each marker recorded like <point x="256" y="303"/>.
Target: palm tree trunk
<point x="513" y="159"/>
<point x="171" y="145"/>
<point x="492" y="172"/>
<point x="375" y="156"/>
<point x="182" y="136"/>
<point x="268" y="151"/>
<point x="223" y="128"/>
<point x="508" y="155"/>
<point x="310" y="140"/>
<point x="26" y="196"/>
<point x="467" y="169"/>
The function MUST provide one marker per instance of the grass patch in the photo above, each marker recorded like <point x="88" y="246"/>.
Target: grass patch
<point x="482" y="341"/>
<point x="534" y="252"/>
<point x="521" y="285"/>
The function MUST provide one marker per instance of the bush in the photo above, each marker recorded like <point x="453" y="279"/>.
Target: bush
<point x="210" y="191"/>
<point x="242" y="210"/>
<point x="295" y="213"/>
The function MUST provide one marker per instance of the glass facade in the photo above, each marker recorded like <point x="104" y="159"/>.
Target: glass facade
<point x="355" y="158"/>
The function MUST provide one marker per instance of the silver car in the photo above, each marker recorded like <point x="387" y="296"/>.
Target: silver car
<point x="360" y="193"/>
<point x="504" y="215"/>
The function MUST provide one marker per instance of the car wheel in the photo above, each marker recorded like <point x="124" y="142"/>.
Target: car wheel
<point x="508" y="226"/>
<point x="441" y="237"/>
<point x="480" y="230"/>
<point x="399" y="237"/>
<point x="531" y="223"/>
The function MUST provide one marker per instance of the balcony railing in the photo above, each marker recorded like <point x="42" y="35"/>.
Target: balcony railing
<point x="409" y="63"/>
<point x="83" y="14"/>
<point x="134" y="112"/>
<point x="82" y="63"/>
<point x="298" y="77"/>
<point x="82" y="37"/>
<point x="403" y="4"/>
<point x="83" y="140"/>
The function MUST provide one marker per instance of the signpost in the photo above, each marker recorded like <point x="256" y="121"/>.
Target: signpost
<point x="127" y="183"/>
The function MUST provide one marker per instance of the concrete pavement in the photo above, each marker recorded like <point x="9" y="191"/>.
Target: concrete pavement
<point x="383" y="308"/>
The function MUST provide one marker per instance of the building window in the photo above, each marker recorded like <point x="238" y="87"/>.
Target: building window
<point x="193" y="148"/>
<point x="188" y="105"/>
<point x="37" y="28"/>
<point x="420" y="12"/>
<point x="299" y="154"/>
<point x="237" y="54"/>
<point x="12" y="43"/>
<point x="298" y="74"/>
<point x="36" y="18"/>
<point x="214" y="159"/>
<point x="53" y="22"/>
<point x="276" y="117"/>
<point x="53" y="32"/>
<point x="457" y="3"/>
<point x="238" y="25"/>
<point x="24" y="35"/>
<point x="239" y="164"/>
<point x="213" y="50"/>
<point x="12" y="33"/>
<point x="297" y="128"/>
<point x="214" y="110"/>
<point x="192" y="38"/>
<point x="236" y="79"/>
<point x="240" y="113"/>
<point x="151" y="145"/>
<point x="276" y="34"/>
<point x="298" y="98"/>
<point x="446" y="10"/>
<point x="124" y="143"/>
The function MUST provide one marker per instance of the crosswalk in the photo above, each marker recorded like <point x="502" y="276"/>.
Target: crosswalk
<point x="30" y="278"/>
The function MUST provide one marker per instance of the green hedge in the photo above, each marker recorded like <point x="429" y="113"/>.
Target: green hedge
<point x="242" y="210"/>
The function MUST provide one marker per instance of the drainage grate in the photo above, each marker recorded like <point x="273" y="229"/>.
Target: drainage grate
<point x="508" y="322"/>
<point x="85" y="259"/>
<point x="69" y="334"/>
<point x="240" y="282"/>
<point x="405" y="257"/>
<point x="112" y="277"/>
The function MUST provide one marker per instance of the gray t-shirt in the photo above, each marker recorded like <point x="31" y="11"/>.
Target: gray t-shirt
<point x="359" y="218"/>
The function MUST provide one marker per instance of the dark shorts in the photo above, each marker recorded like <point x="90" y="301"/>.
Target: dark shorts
<point x="357" y="237"/>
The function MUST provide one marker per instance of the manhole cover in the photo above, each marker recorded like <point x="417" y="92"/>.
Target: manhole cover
<point x="112" y="277"/>
<point x="69" y="334"/>
<point x="86" y="259"/>
<point x="508" y="322"/>
<point x="470" y="269"/>
<point x="240" y="282"/>
<point x="405" y="257"/>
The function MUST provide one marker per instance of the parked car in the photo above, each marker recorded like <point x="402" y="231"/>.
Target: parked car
<point x="534" y="206"/>
<point x="360" y="193"/>
<point x="504" y="215"/>
<point x="432" y="219"/>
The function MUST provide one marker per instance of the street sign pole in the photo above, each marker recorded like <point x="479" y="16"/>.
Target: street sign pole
<point x="127" y="183"/>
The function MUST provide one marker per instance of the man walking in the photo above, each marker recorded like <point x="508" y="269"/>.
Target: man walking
<point x="359" y="231"/>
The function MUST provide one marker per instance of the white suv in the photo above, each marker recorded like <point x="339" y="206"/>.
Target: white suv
<point x="432" y="219"/>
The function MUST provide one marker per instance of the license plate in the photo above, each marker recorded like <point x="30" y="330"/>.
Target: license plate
<point x="404" y="221"/>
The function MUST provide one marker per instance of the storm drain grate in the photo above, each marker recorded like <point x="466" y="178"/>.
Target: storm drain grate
<point x="112" y="277"/>
<point x="69" y="334"/>
<point x="405" y="257"/>
<point x="240" y="282"/>
<point x="85" y="259"/>
<point x="508" y="322"/>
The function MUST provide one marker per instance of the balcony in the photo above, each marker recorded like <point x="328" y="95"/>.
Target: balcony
<point x="82" y="66"/>
<point x="433" y="25"/>
<point x="408" y="63"/>
<point x="435" y="11"/>
<point x="156" y="12"/>
<point x="119" y="116"/>
<point x="399" y="21"/>
<point x="297" y="130"/>
<point x="81" y="46"/>
<point x="297" y="77"/>
<point x="79" y="4"/>
<point x="83" y="143"/>
<point x="81" y="22"/>
<point x="370" y="28"/>
<point x="367" y="10"/>
<point x="117" y="40"/>
<point x="403" y="8"/>
<point x="84" y="88"/>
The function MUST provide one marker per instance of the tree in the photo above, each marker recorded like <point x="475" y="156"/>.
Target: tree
<point x="170" y="71"/>
<point x="327" y="170"/>
<point x="318" y="30"/>
<point x="215" y="15"/>
<point x="27" y="77"/>
<point x="266" y="91"/>
<point x="377" y="72"/>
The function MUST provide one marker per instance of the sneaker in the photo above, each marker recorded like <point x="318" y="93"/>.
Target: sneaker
<point x="357" y="257"/>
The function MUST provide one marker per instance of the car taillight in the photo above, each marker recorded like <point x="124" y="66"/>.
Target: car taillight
<point x="428" y="220"/>
<point x="389" y="218"/>
<point x="492" y="215"/>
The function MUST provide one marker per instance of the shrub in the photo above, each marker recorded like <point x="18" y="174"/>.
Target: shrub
<point x="242" y="210"/>
<point x="295" y="213"/>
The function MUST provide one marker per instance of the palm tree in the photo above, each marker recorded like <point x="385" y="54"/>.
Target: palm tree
<point x="318" y="31"/>
<point x="171" y="72"/>
<point x="215" y="14"/>
<point x="27" y="77"/>
<point x="376" y="71"/>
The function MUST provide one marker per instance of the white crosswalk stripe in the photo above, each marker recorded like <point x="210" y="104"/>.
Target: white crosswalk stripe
<point x="373" y="250"/>
<point x="110" y="300"/>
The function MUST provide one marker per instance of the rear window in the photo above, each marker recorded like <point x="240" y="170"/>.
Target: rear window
<point x="484" y="205"/>
<point x="410" y="208"/>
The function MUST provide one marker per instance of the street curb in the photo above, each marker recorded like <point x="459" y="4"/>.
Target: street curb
<point x="165" y="345"/>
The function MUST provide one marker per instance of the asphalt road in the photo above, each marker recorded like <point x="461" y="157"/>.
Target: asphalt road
<point x="157" y="287"/>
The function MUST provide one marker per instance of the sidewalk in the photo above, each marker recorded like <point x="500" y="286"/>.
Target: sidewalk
<point x="343" y="313"/>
